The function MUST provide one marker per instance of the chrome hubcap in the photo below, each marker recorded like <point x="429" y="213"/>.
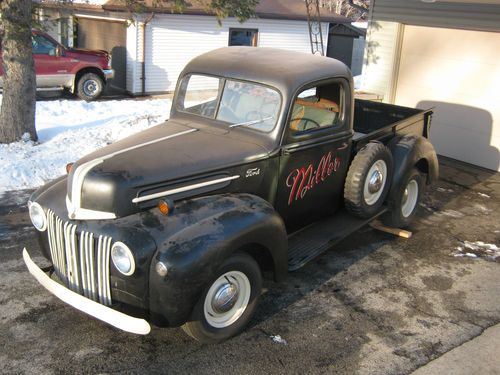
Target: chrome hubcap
<point x="375" y="182"/>
<point x="405" y="196"/>
<point x="90" y="87"/>
<point x="409" y="199"/>
<point x="225" y="298"/>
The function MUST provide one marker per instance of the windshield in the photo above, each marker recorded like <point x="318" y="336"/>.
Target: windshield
<point x="235" y="102"/>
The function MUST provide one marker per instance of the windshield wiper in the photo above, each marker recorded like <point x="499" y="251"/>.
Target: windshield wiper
<point x="249" y="123"/>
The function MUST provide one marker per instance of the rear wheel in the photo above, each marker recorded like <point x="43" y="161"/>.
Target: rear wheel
<point x="404" y="200"/>
<point x="89" y="87"/>
<point x="228" y="302"/>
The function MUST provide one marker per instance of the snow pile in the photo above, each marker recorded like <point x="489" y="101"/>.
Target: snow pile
<point x="68" y="130"/>
<point x="451" y="213"/>
<point x="443" y="190"/>
<point x="478" y="249"/>
<point x="278" y="339"/>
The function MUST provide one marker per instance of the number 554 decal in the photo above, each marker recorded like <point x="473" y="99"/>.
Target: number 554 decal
<point x="300" y="181"/>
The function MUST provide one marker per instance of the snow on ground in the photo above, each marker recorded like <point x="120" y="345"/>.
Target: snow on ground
<point x="70" y="129"/>
<point x="478" y="249"/>
<point x="484" y="195"/>
<point x="278" y="339"/>
<point x="451" y="213"/>
<point x="443" y="190"/>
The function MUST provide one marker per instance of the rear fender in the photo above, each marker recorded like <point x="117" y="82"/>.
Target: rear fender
<point x="211" y="233"/>
<point x="413" y="151"/>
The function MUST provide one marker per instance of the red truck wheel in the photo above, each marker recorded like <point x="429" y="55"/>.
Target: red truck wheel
<point x="368" y="180"/>
<point x="228" y="302"/>
<point x="89" y="87"/>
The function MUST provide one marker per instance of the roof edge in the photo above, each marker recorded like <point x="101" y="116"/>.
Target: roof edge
<point x="188" y="11"/>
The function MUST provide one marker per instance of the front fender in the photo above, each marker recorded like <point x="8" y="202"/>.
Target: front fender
<point x="413" y="151"/>
<point x="204" y="232"/>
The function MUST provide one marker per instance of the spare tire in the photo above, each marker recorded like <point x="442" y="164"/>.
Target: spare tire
<point x="368" y="180"/>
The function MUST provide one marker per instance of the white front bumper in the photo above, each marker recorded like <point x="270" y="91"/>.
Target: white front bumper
<point x="115" y="318"/>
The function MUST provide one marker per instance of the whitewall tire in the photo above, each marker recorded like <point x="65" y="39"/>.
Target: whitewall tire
<point x="228" y="302"/>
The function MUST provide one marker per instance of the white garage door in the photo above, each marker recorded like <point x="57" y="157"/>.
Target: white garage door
<point x="458" y="72"/>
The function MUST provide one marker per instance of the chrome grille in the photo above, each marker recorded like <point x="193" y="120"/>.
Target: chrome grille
<point x="80" y="260"/>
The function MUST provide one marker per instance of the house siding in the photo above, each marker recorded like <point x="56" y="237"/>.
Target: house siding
<point x="176" y="39"/>
<point x="381" y="56"/>
<point x="52" y="25"/>
<point x="456" y="15"/>
<point x="132" y="57"/>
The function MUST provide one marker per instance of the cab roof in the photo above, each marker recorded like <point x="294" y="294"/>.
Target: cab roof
<point x="283" y="69"/>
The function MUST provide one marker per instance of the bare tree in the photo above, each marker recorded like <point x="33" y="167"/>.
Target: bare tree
<point x="344" y="8"/>
<point x="17" y="115"/>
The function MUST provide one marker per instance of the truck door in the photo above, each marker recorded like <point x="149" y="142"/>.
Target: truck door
<point x="52" y="68"/>
<point x="315" y="153"/>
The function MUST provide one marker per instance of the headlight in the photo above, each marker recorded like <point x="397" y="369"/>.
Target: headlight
<point x="122" y="258"/>
<point x="37" y="216"/>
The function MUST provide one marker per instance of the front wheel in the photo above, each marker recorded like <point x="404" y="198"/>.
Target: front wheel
<point x="228" y="302"/>
<point x="404" y="200"/>
<point x="89" y="86"/>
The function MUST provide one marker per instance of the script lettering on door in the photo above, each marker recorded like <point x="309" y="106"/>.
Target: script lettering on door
<point x="300" y="181"/>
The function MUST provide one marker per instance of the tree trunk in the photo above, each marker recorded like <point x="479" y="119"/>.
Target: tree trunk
<point x="17" y="115"/>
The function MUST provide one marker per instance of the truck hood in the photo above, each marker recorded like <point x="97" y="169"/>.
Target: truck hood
<point x="90" y="52"/>
<point x="174" y="157"/>
<point x="99" y="58"/>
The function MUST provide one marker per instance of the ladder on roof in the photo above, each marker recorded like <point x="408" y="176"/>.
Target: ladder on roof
<point x="314" y="23"/>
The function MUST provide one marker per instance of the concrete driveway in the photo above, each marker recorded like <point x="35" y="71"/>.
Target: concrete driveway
<point x="375" y="304"/>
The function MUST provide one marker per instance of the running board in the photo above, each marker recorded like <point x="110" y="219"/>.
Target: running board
<point x="42" y="89"/>
<point x="315" y="239"/>
<point x="60" y="88"/>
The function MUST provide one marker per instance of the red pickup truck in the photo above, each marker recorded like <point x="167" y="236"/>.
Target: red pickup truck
<point x="81" y="71"/>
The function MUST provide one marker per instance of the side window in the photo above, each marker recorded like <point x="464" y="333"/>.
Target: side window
<point x="243" y="37"/>
<point x="317" y="107"/>
<point x="43" y="46"/>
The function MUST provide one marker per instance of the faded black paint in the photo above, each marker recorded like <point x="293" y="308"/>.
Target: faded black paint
<point x="209" y="224"/>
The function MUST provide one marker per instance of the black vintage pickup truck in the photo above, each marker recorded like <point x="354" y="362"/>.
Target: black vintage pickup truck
<point x="267" y="160"/>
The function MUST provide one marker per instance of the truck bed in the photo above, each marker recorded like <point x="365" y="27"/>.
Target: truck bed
<point x="381" y="121"/>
